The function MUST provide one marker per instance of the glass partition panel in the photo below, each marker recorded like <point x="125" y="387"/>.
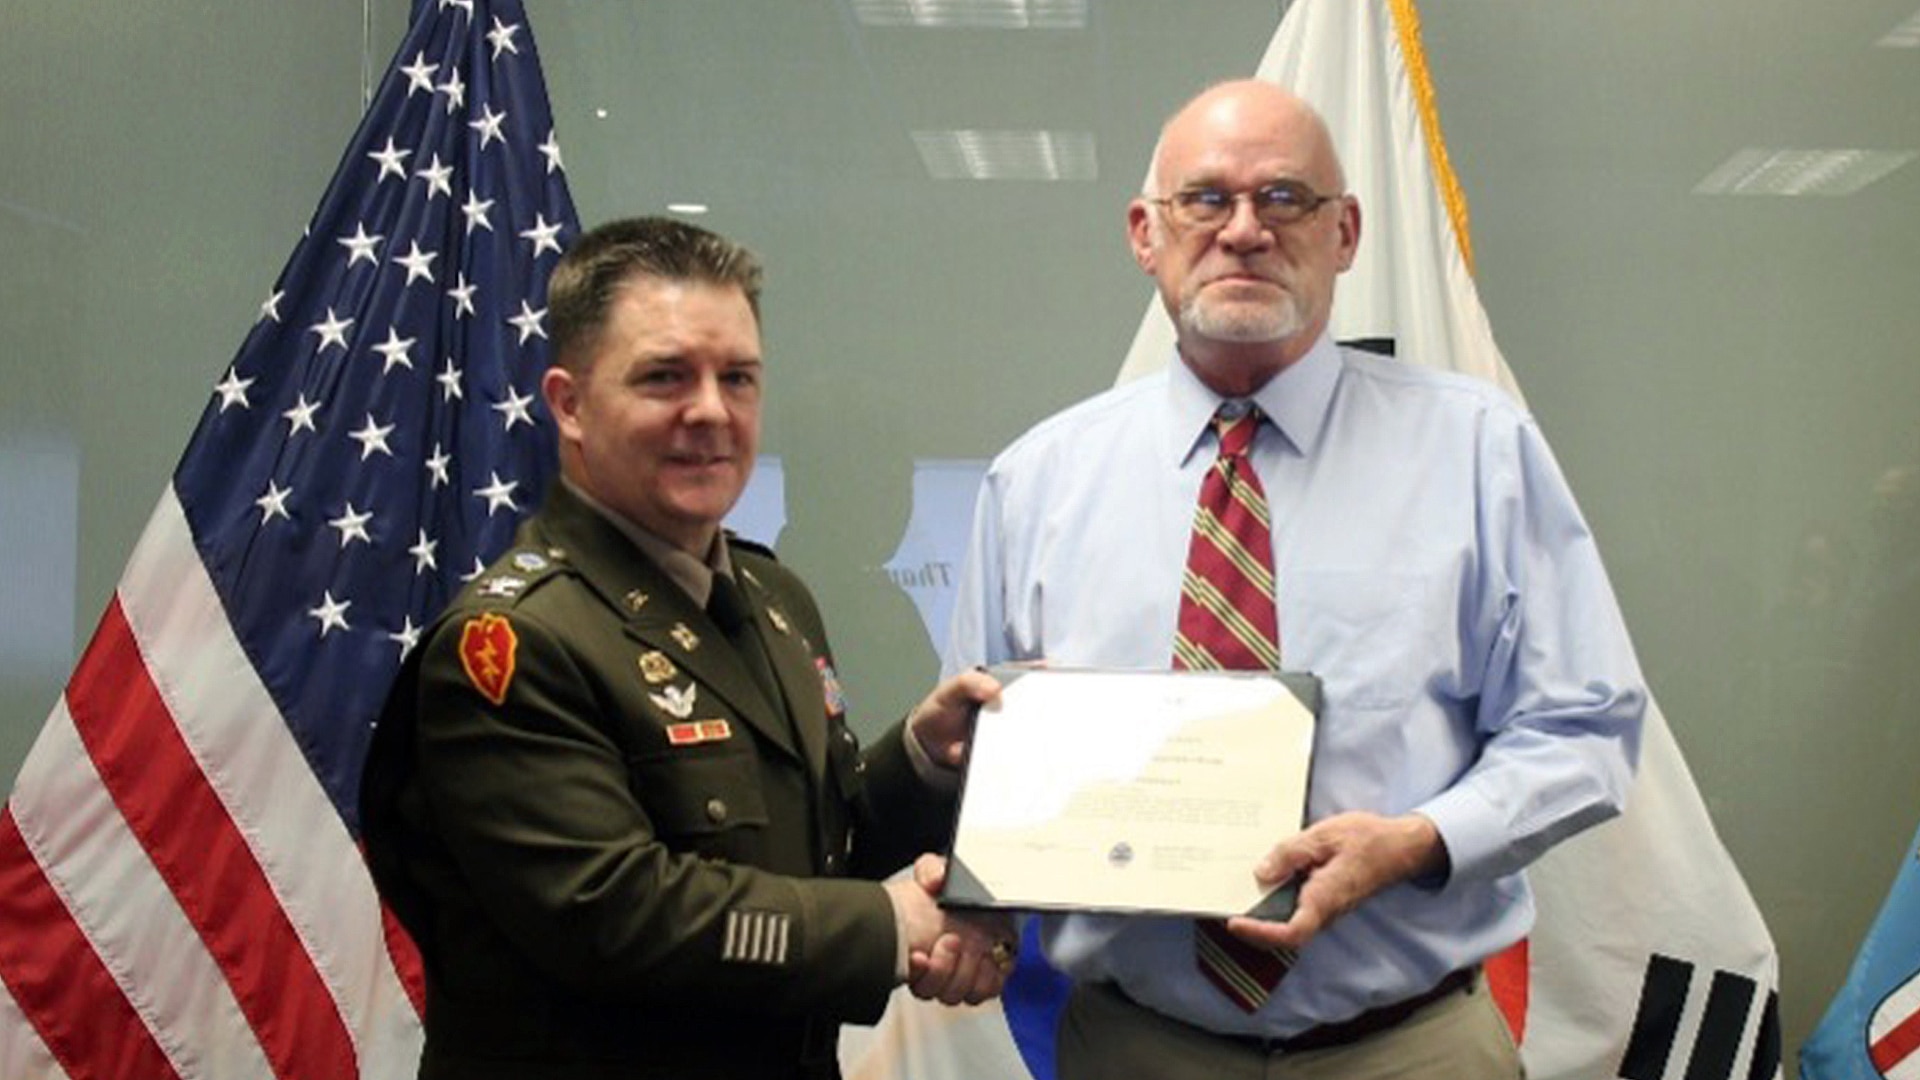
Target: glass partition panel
<point x="1712" y="321"/>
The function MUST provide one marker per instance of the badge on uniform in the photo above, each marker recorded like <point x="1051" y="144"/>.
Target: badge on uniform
<point x="757" y="937"/>
<point x="694" y="732"/>
<point x="830" y="686"/>
<point x="684" y="634"/>
<point x="487" y="646"/>
<point x="656" y="668"/>
<point x="675" y="701"/>
<point x="504" y="587"/>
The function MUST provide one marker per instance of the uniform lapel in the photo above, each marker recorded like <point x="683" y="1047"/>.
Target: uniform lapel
<point x="796" y="668"/>
<point x="671" y="624"/>
<point x="660" y="617"/>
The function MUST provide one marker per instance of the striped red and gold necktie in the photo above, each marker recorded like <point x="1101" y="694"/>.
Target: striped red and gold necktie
<point x="1228" y="620"/>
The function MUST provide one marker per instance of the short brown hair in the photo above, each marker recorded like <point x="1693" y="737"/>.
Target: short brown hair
<point x="600" y="262"/>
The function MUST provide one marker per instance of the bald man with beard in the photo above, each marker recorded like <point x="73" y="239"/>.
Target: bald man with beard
<point x="1482" y="701"/>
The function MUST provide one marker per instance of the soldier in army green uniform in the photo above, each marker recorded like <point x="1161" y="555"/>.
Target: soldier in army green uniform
<point x="613" y="796"/>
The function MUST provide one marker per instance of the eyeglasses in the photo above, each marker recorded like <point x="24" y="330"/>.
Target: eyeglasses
<point x="1281" y="202"/>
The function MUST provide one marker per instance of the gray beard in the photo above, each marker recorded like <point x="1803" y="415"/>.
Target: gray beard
<point x="1276" y="323"/>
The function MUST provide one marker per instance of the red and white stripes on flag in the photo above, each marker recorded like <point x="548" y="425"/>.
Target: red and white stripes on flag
<point x="1893" y="1033"/>
<point x="181" y="891"/>
<point x="183" y="899"/>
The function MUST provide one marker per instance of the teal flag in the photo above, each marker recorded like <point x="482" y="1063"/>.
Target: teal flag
<point x="1872" y="1029"/>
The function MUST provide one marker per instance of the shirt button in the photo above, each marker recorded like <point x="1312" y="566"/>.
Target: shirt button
<point x="716" y="810"/>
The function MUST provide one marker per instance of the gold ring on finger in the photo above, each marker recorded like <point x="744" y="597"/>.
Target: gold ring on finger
<point x="1004" y="954"/>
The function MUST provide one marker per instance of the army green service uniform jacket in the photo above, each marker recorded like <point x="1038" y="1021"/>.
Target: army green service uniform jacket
<point x="618" y="856"/>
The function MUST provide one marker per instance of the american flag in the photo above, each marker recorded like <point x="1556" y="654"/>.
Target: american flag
<point x="181" y="890"/>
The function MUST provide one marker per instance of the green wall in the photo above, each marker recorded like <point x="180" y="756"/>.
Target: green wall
<point x="1729" y="382"/>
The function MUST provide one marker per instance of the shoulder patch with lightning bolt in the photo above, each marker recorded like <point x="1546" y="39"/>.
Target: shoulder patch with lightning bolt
<point x="487" y="645"/>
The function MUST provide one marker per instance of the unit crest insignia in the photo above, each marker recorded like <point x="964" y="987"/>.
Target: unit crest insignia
<point x="656" y="668"/>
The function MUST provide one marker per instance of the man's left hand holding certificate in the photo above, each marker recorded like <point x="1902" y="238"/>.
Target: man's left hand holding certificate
<point x="1131" y="791"/>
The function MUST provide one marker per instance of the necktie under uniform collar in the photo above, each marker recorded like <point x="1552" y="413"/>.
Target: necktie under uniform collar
<point x="693" y="573"/>
<point x="728" y="608"/>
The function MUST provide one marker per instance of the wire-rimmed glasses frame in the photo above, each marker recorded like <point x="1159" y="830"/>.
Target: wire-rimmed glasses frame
<point x="1276" y="204"/>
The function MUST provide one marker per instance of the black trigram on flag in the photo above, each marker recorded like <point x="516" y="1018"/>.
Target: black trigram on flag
<point x="1713" y="1047"/>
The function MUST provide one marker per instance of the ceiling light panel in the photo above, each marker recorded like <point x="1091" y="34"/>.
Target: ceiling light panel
<point x="1764" y="171"/>
<point x="1904" y="36"/>
<point x="974" y="14"/>
<point x="1008" y="155"/>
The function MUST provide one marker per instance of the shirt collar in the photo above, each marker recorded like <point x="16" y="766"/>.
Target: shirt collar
<point x="693" y="575"/>
<point x="1295" y="401"/>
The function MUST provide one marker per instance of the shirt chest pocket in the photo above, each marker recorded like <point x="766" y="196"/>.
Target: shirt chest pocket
<point x="701" y="799"/>
<point x="1363" y="632"/>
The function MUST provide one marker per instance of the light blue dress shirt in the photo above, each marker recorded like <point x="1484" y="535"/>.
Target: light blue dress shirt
<point x="1431" y="567"/>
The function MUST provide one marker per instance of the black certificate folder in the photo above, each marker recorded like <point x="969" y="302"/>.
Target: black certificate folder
<point x="1146" y="792"/>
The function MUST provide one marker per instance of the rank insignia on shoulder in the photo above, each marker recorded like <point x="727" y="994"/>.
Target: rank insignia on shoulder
<point x="830" y="686"/>
<point x="756" y="937"/>
<point x="676" y="702"/>
<point x="531" y="562"/>
<point x="505" y="586"/>
<point x="684" y="634"/>
<point x="778" y="620"/>
<point x="694" y="732"/>
<point x="656" y="668"/>
<point x="487" y="647"/>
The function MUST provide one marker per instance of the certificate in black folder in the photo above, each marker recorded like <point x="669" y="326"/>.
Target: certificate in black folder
<point x="1132" y="791"/>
